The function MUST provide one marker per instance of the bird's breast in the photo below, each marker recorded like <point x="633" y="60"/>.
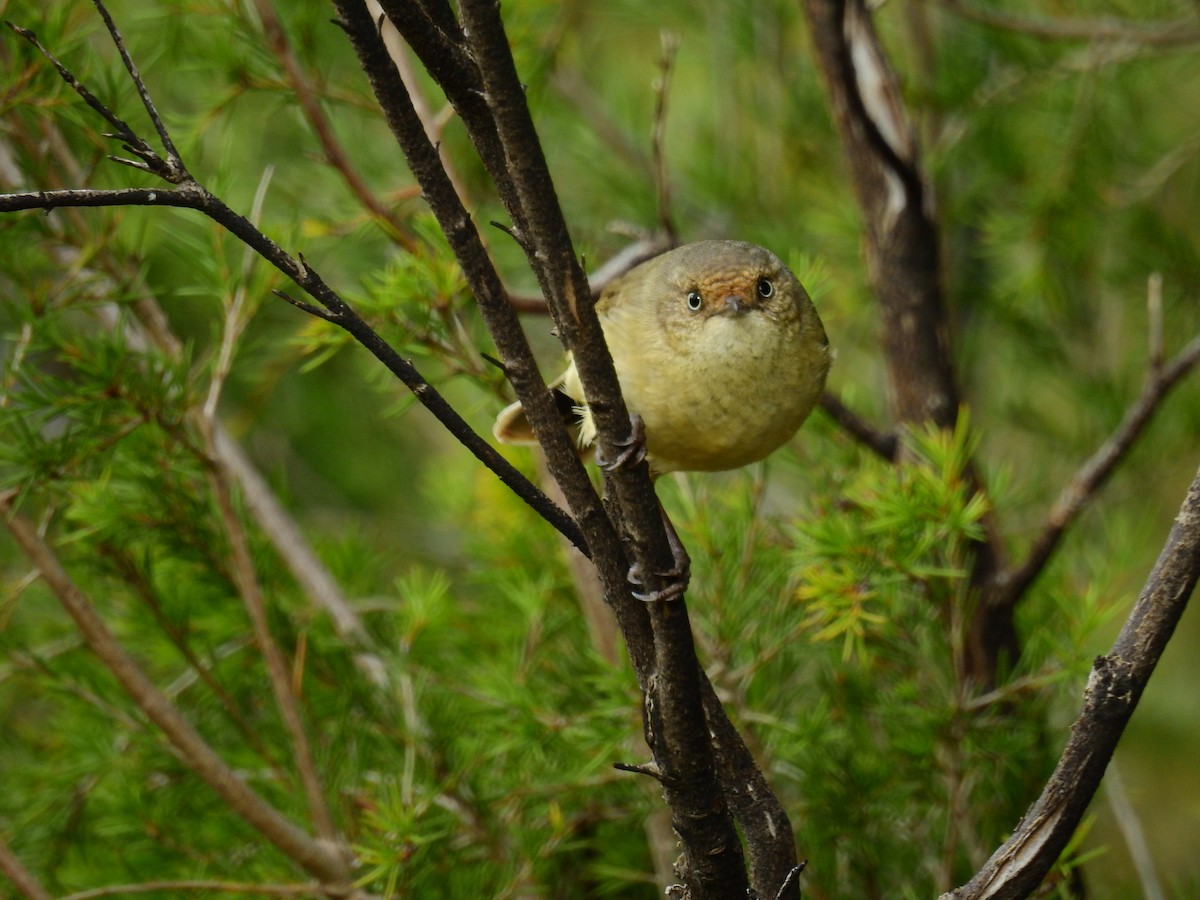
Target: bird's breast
<point x="729" y="396"/>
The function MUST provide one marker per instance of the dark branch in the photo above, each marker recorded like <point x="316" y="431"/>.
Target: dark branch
<point x="173" y="160"/>
<point x="682" y="748"/>
<point x="629" y="256"/>
<point x="192" y="196"/>
<point x="884" y="443"/>
<point x="132" y="142"/>
<point x="464" y="239"/>
<point x="901" y="246"/>
<point x="1116" y="684"/>
<point x="650" y="769"/>
<point x="1013" y="583"/>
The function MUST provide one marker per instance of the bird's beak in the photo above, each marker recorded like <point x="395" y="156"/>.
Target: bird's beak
<point x="736" y="304"/>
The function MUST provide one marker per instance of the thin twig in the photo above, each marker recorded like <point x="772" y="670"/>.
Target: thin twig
<point x="662" y="90"/>
<point x="649" y="769"/>
<point x="235" y="320"/>
<point x="1131" y="829"/>
<point x="23" y="880"/>
<point x="1154" y="321"/>
<point x="173" y="160"/>
<point x="315" y="857"/>
<point x="884" y="443"/>
<point x="644" y="248"/>
<point x="245" y="578"/>
<point x="134" y="143"/>
<point x="1013" y="582"/>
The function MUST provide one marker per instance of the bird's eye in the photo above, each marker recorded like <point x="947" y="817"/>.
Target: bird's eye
<point x="694" y="301"/>
<point x="766" y="289"/>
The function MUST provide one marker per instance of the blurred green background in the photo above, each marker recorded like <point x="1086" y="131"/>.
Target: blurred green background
<point x="1065" y="173"/>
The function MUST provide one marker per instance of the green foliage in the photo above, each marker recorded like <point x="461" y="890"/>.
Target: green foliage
<point x="836" y="633"/>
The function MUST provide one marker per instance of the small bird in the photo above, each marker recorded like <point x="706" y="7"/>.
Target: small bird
<point x="719" y="351"/>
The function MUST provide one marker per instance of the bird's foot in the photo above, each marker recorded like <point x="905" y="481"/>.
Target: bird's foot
<point x="632" y="450"/>
<point x="679" y="574"/>
<point x="675" y="589"/>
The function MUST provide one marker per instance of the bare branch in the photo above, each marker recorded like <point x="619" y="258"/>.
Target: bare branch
<point x="770" y="844"/>
<point x="178" y="172"/>
<point x="191" y="195"/>
<point x="885" y="444"/>
<point x="1012" y="584"/>
<point x="630" y="255"/>
<point x="307" y="307"/>
<point x="1114" y="687"/>
<point x="662" y="90"/>
<point x="123" y="132"/>
<point x="681" y="745"/>
<point x="902" y="249"/>
<point x="315" y="857"/>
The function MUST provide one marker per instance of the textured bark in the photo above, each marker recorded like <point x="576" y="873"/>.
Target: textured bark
<point x="1113" y="690"/>
<point x="901" y="244"/>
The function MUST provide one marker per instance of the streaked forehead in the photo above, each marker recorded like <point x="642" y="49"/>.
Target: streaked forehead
<point x="723" y="265"/>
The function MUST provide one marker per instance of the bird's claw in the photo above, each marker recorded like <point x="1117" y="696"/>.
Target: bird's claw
<point x="680" y="576"/>
<point x="632" y="448"/>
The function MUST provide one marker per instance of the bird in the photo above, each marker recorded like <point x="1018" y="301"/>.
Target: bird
<point x="719" y="352"/>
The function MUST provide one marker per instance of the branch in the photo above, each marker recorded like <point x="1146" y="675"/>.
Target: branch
<point x="173" y="160"/>
<point x="770" y="844"/>
<point x="192" y="196"/>
<point x="884" y="443"/>
<point x="189" y="194"/>
<point x="680" y="736"/>
<point x="904" y="267"/>
<point x="149" y="160"/>
<point x="245" y="579"/>
<point x="626" y="258"/>
<point x="901" y="235"/>
<point x="23" y="880"/>
<point x="315" y="857"/>
<point x="1012" y="584"/>
<point x="1104" y="29"/>
<point x="1114" y="687"/>
<point x="662" y="90"/>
